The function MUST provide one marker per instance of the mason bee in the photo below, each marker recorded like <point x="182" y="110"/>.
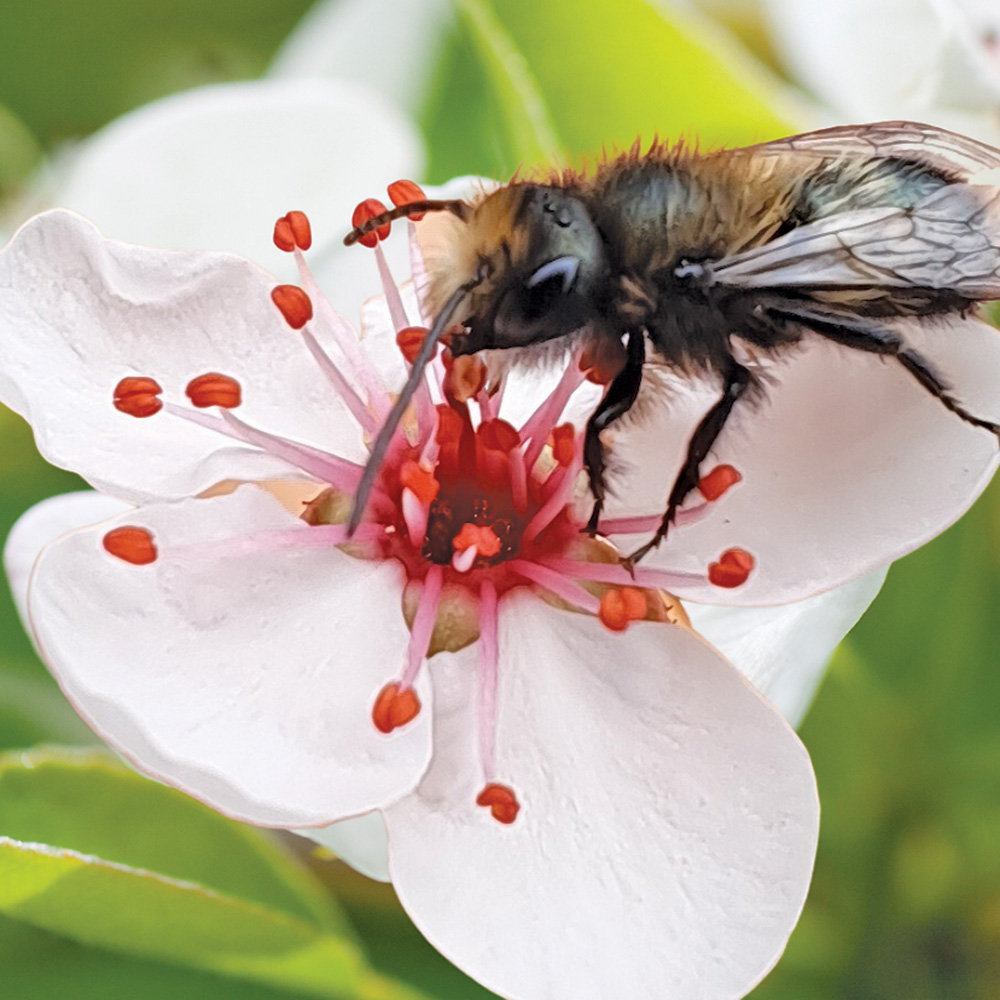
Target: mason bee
<point x="856" y="234"/>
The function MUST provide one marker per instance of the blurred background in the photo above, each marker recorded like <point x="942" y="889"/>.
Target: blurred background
<point x="905" y="731"/>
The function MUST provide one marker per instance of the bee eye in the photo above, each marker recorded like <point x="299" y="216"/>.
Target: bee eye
<point x="565" y="268"/>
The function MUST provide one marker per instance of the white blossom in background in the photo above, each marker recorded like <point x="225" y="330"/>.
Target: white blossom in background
<point x="936" y="61"/>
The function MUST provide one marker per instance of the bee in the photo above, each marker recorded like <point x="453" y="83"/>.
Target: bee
<point x="680" y="258"/>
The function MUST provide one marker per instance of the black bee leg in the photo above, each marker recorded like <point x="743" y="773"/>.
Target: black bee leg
<point x="878" y="340"/>
<point x="735" y="382"/>
<point x="617" y="401"/>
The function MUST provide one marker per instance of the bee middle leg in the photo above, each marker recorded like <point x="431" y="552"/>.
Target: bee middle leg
<point x="736" y="379"/>
<point x="617" y="401"/>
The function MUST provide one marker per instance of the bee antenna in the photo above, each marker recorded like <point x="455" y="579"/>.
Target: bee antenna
<point x="386" y="431"/>
<point x="456" y="206"/>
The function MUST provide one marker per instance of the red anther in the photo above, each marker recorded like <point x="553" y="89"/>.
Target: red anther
<point x="450" y="425"/>
<point x="291" y="231"/>
<point x="498" y="435"/>
<point x="405" y="192"/>
<point x="482" y="536"/>
<point x="602" y="361"/>
<point x="419" y="481"/>
<point x="368" y="209"/>
<point x="564" y="444"/>
<point x="732" y="569"/>
<point x="464" y="377"/>
<point x="621" y="605"/>
<point x="138" y="396"/>
<point x="716" y="482"/>
<point x="132" y="545"/>
<point x="394" y="707"/>
<point x="294" y="305"/>
<point x="214" y="389"/>
<point x="502" y="802"/>
<point x="410" y="339"/>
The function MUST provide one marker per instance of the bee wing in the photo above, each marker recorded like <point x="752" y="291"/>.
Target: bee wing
<point x="950" y="241"/>
<point x="954" y="155"/>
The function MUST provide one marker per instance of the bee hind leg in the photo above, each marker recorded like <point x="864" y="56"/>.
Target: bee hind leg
<point x="617" y="401"/>
<point x="736" y="379"/>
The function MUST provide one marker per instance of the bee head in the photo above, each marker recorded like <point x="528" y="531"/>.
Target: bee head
<point x="541" y="267"/>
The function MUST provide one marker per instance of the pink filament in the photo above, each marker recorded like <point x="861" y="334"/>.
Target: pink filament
<point x="618" y="574"/>
<point x="560" y="585"/>
<point x="318" y="536"/>
<point x="423" y="625"/>
<point x="343" y="388"/>
<point x="391" y="291"/>
<point x="489" y="663"/>
<point x="539" y="425"/>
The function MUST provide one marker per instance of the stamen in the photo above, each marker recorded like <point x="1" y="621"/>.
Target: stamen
<point x="546" y="514"/>
<point x="291" y="231"/>
<point x="502" y="802"/>
<point x="464" y="378"/>
<point x="404" y="193"/>
<point x="214" y="389"/>
<point x="568" y="590"/>
<point x="294" y="305"/>
<point x="390" y="290"/>
<point x="616" y="573"/>
<point x="138" y="396"/>
<point x="732" y="569"/>
<point x="423" y="624"/>
<point x="621" y="605"/>
<point x="419" y="480"/>
<point x="344" y="389"/>
<point x="300" y="539"/>
<point x="539" y="425"/>
<point x="712" y="485"/>
<point x="132" y="545"/>
<point x="602" y="361"/>
<point x="416" y="514"/>
<point x="370" y="208"/>
<point x="395" y="706"/>
<point x="410" y="339"/>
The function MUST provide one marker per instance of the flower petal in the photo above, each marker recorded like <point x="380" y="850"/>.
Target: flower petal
<point x="214" y="167"/>
<point x="847" y="463"/>
<point x="44" y="523"/>
<point x="80" y="313"/>
<point x="360" y="842"/>
<point x="784" y="650"/>
<point x="667" y="827"/>
<point x="246" y="680"/>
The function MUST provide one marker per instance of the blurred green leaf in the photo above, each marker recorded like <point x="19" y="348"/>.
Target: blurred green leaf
<point x="95" y="853"/>
<point x="19" y="152"/>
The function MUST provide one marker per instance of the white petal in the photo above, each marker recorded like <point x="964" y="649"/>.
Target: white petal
<point x="847" y="464"/>
<point x="360" y="842"/>
<point x="244" y="680"/>
<point x="79" y="313"/>
<point x="667" y="829"/>
<point x="784" y="650"/>
<point x="44" y="523"/>
<point x="213" y="168"/>
<point x="393" y="46"/>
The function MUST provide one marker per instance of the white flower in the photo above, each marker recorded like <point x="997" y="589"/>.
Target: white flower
<point x="925" y="60"/>
<point x="571" y="810"/>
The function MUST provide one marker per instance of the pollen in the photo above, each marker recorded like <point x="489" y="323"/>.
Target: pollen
<point x="291" y="231"/>
<point x="621" y="605"/>
<point x="405" y="193"/>
<point x="712" y="485"/>
<point x="395" y="706"/>
<point x="419" y="481"/>
<point x="732" y="569"/>
<point x="481" y="537"/>
<point x="132" y="545"/>
<point x="293" y="304"/>
<point x="138" y="396"/>
<point x="410" y="339"/>
<point x="214" y="389"/>
<point x="564" y="444"/>
<point x="501" y="801"/>
<point x="368" y="209"/>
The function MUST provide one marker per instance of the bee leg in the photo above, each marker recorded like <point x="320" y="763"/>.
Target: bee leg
<point x="735" y="382"/>
<point x="888" y="343"/>
<point x="617" y="401"/>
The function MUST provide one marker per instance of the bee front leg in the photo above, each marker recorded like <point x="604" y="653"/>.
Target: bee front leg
<point x="735" y="382"/>
<point x="617" y="401"/>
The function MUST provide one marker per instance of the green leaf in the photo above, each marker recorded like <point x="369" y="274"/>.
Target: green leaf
<point x="100" y="855"/>
<point x="609" y="70"/>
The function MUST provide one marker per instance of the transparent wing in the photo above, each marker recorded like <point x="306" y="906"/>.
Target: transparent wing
<point x="949" y="241"/>
<point x="952" y="154"/>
